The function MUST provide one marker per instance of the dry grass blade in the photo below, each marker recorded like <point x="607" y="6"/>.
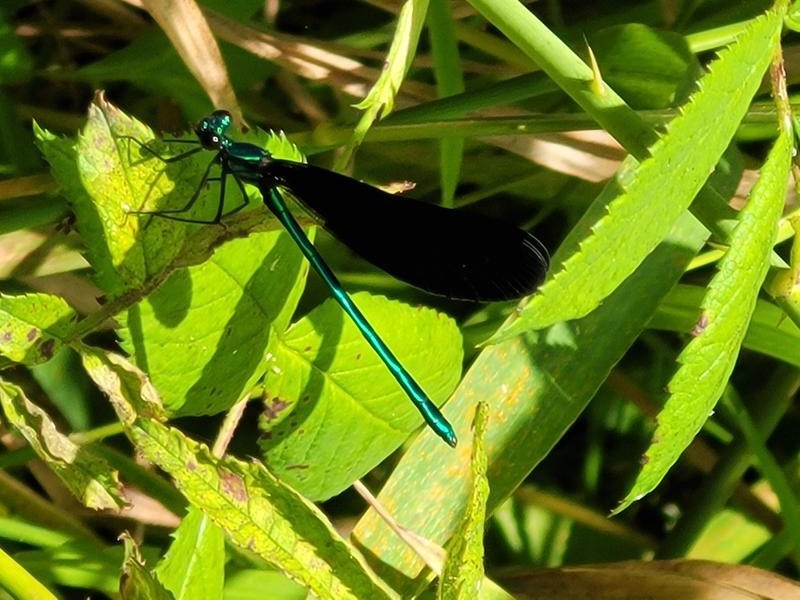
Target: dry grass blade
<point x="657" y="580"/>
<point x="187" y="29"/>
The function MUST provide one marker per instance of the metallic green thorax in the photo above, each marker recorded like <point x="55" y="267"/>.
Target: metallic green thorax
<point x="237" y="158"/>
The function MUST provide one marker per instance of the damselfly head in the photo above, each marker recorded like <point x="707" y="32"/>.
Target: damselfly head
<point x="211" y="129"/>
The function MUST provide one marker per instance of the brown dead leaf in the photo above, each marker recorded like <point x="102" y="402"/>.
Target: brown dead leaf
<point x="659" y="580"/>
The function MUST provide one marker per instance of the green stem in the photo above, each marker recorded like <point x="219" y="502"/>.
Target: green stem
<point x="18" y="582"/>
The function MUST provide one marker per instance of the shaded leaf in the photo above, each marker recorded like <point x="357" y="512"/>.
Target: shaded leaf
<point x="202" y="336"/>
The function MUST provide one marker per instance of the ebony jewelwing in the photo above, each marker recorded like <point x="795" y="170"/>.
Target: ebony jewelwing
<point x="451" y="253"/>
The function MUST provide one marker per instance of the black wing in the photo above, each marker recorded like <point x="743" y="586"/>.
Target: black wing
<point x="450" y="253"/>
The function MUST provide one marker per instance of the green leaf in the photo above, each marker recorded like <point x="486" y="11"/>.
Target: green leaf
<point x="137" y="583"/>
<point x="61" y="153"/>
<point x="114" y="375"/>
<point x="351" y="412"/>
<point x="462" y="573"/>
<point x="194" y="566"/>
<point x="261" y="515"/>
<point x="104" y="179"/>
<point x="257" y="512"/>
<point x="645" y="199"/>
<point x="90" y="479"/>
<point x="121" y="178"/>
<point x="33" y="326"/>
<point x="709" y="358"/>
